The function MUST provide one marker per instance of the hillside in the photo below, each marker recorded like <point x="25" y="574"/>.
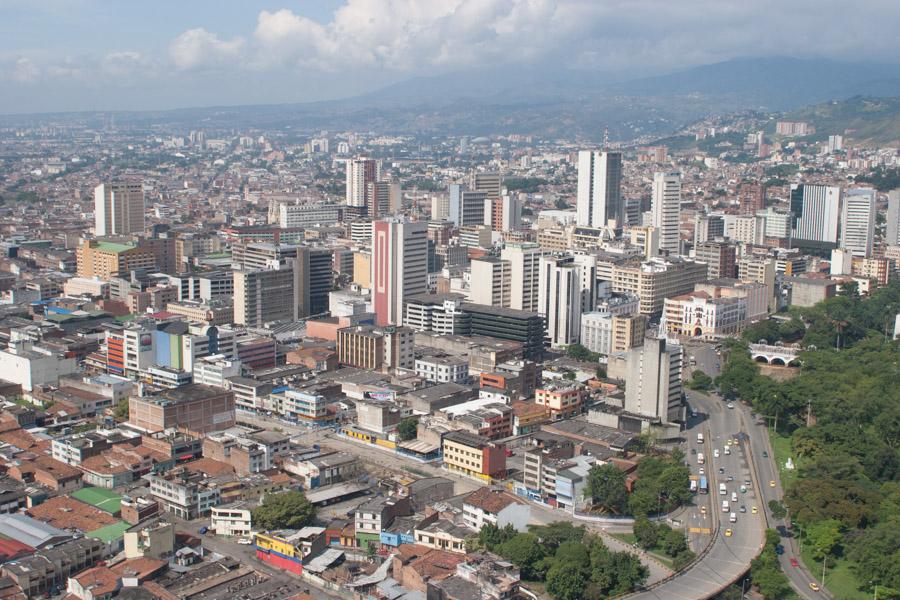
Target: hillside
<point x="863" y="119"/>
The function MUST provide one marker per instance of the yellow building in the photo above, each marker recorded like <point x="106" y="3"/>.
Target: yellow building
<point x="474" y="455"/>
<point x="362" y="268"/>
<point x="106" y="259"/>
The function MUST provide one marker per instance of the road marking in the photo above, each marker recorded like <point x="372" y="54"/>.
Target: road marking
<point x="705" y="530"/>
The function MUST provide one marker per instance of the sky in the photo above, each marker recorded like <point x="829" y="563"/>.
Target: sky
<point x="74" y="55"/>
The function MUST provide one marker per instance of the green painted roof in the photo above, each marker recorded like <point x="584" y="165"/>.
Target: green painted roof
<point x="102" y="498"/>
<point x="113" y="247"/>
<point x="110" y="533"/>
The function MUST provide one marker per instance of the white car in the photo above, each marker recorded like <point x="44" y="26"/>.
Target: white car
<point x="702" y="472"/>
<point x="730" y="405"/>
<point x="244" y="541"/>
<point x="716" y="453"/>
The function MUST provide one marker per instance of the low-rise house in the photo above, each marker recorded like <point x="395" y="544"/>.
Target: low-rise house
<point x="375" y="515"/>
<point x="47" y="571"/>
<point x="232" y="519"/>
<point x="288" y="548"/>
<point x="443" y="534"/>
<point x="154" y="539"/>
<point x="496" y="507"/>
<point x="325" y="469"/>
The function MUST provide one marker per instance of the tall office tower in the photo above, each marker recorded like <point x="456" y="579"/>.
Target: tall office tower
<point x="490" y="281"/>
<point x="749" y="229"/>
<point x="666" y="209"/>
<point x="440" y="206"/>
<point x="600" y="189"/>
<point x="752" y="196"/>
<point x="720" y="258"/>
<point x="467" y="206"/>
<point x="587" y="265"/>
<point x="399" y="266"/>
<point x="559" y="299"/>
<point x="118" y="208"/>
<point x="776" y="224"/>
<point x="892" y="234"/>
<point x="318" y="278"/>
<point x="632" y="212"/>
<point x="382" y="198"/>
<point x="858" y="221"/>
<point x="815" y="213"/>
<point x="653" y="381"/>
<point x="524" y="260"/>
<point x="360" y="173"/>
<point x="506" y="212"/>
<point x="708" y="227"/>
<point x="835" y="143"/>
<point x="265" y="295"/>
<point x="489" y="183"/>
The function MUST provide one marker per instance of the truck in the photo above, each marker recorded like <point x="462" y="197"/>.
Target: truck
<point x="699" y="438"/>
<point x="722" y="490"/>
<point x="700" y="459"/>
<point x="704" y="487"/>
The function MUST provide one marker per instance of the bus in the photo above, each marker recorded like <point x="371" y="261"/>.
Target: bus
<point x="700" y="458"/>
<point x="699" y="438"/>
<point x="704" y="487"/>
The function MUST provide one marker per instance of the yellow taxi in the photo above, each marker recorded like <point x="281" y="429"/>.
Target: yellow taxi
<point x="728" y="442"/>
<point x="754" y="510"/>
<point x="702" y="510"/>
<point x="814" y="586"/>
<point x="728" y="533"/>
<point x="772" y="483"/>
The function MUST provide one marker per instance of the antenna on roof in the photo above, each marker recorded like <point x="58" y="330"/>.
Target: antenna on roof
<point x="606" y="138"/>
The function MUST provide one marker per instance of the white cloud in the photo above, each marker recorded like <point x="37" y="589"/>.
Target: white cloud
<point x="120" y="64"/>
<point x="199" y="49"/>
<point x="24" y="70"/>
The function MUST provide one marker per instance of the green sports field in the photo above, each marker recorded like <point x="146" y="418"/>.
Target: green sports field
<point x="101" y="498"/>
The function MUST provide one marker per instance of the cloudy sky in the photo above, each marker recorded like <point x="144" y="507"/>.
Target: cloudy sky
<point x="59" y="55"/>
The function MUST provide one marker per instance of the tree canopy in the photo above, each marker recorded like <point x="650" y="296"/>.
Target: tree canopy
<point x="285" y="510"/>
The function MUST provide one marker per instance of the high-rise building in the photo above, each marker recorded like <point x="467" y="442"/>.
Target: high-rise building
<point x="491" y="281"/>
<point x="118" y="208"/>
<point x="777" y="224"/>
<point x="656" y="279"/>
<point x="600" y="189"/>
<point x="506" y="212"/>
<point x="102" y="259"/>
<point x="835" y="143"/>
<point x="752" y="196"/>
<point x="858" y="221"/>
<point x="467" y="207"/>
<point x="489" y="183"/>
<point x="265" y="295"/>
<point x="399" y="266"/>
<point x="360" y="173"/>
<point x="719" y="257"/>
<point x="708" y="227"/>
<point x="304" y="215"/>
<point x="653" y="381"/>
<point x="560" y="299"/>
<point x="892" y="234"/>
<point x="815" y="214"/>
<point x="383" y="198"/>
<point x="666" y="209"/>
<point x="524" y="259"/>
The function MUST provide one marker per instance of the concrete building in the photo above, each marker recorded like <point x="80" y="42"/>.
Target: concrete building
<point x="192" y="408"/>
<point x="699" y="315"/>
<point x="360" y="173"/>
<point x="815" y="215"/>
<point x="708" y="227"/>
<point x="560" y="299"/>
<point x="474" y="456"/>
<point x="653" y="381"/>
<point x="655" y="280"/>
<point x="562" y="399"/>
<point x="607" y="333"/>
<point x="118" y="208"/>
<point x="524" y="274"/>
<point x="103" y="259"/>
<point x="440" y="313"/>
<point x="599" y="199"/>
<point x="467" y="206"/>
<point x="752" y="197"/>
<point x="399" y="267"/>
<point x="490" y="281"/>
<point x="666" y="210"/>
<point x="153" y="539"/>
<point x="892" y="231"/>
<point x="233" y="519"/>
<point x="371" y="347"/>
<point x="308" y="214"/>
<point x="496" y="507"/>
<point x="720" y="258"/>
<point x="32" y="366"/>
<point x="858" y="222"/>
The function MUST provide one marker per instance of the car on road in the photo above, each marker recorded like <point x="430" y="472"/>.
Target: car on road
<point x="743" y="509"/>
<point x="721" y="470"/>
<point x="702" y="472"/>
<point x="754" y="510"/>
<point x="779" y="549"/>
<point x="728" y="533"/>
<point x="765" y="454"/>
<point x="731" y="478"/>
<point x="728" y="441"/>
<point x="772" y="483"/>
<point x="794" y="562"/>
<point x="693" y="451"/>
<point x="814" y="586"/>
<point x="730" y="405"/>
<point x="244" y="541"/>
<point x="716" y="453"/>
<point x="702" y="510"/>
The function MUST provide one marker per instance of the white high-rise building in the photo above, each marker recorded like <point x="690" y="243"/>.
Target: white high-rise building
<point x="835" y="143"/>
<point x="815" y="212"/>
<point x="892" y="234"/>
<point x="360" y="173"/>
<point x="666" y="209"/>
<point x="490" y="281"/>
<point x="560" y="299"/>
<point x="118" y="208"/>
<point x="858" y="221"/>
<point x="467" y="207"/>
<point x="524" y="260"/>
<point x="600" y="189"/>
<point x="399" y="266"/>
<point x="653" y="381"/>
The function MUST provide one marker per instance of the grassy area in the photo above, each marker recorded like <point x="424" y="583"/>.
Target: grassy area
<point x="781" y="444"/>
<point x="839" y="579"/>
<point x="629" y="539"/>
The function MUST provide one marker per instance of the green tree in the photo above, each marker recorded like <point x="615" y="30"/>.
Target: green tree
<point x="875" y="555"/>
<point x="824" y="537"/>
<point x="554" y="534"/>
<point x="683" y="559"/>
<point x="524" y="551"/>
<point x="579" y="352"/>
<point x="121" y="411"/>
<point x="700" y="381"/>
<point x="645" y="533"/>
<point x="674" y="542"/>
<point x="492" y="536"/>
<point x="407" y="428"/>
<point x="777" y="509"/>
<point x="566" y="581"/>
<point x="606" y="487"/>
<point x="285" y="510"/>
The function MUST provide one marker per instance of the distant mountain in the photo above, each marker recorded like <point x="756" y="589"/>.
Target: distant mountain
<point x="864" y="119"/>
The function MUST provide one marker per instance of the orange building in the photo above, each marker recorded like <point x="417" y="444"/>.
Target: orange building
<point x="563" y="400"/>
